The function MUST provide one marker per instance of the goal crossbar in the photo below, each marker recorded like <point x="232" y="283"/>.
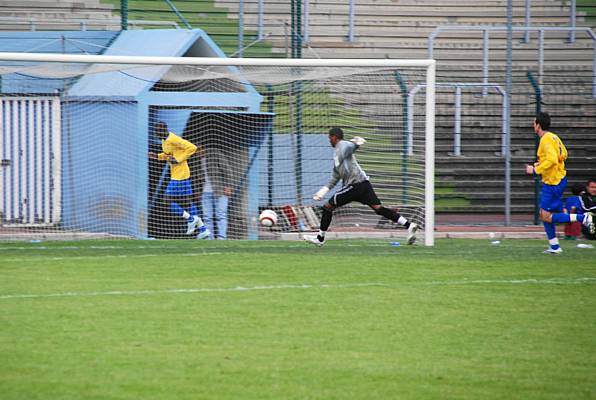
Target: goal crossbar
<point x="214" y="61"/>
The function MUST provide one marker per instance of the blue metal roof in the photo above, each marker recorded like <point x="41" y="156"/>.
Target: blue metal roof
<point x="156" y="42"/>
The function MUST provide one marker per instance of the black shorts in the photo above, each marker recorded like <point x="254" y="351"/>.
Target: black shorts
<point x="362" y="192"/>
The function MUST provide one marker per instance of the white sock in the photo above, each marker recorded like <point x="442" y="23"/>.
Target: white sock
<point x="553" y="242"/>
<point x="200" y="222"/>
<point x="322" y="233"/>
<point x="402" y="221"/>
<point x="185" y="215"/>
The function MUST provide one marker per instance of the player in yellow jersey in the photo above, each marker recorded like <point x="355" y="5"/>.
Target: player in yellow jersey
<point x="551" y="168"/>
<point x="176" y="152"/>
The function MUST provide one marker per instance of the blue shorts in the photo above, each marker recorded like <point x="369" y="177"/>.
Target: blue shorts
<point x="179" y="188"/>
<point x="551" y="196"/>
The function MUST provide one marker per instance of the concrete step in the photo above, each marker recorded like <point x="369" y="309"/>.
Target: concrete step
<point x="452" y="50"/>
<point x="468" y="15"/>
<point x="525" y="208"/>
<point x="337" y="38"/>
<point x="465" y="177"/>
<point x="57" y="15"/>
<point x="496" y="186"/>
<point x="448" y="59"/>
<point x="417" y="26"/>
<point x="578" y="152"/>
<point x="35" y="6"/>
<point x="52" y="15"/>
<point x="419" y="3"/>
<point x="493" y="197"/>
<point x="517" y="4"/>
<point x="495" y="161"/>
<point x="474" y="116"/>
<point x="382" y="9"/>
<point x="65" y="25"/>
<point x="492" y="136"/>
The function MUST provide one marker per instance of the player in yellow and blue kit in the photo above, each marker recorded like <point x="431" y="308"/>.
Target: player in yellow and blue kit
<point x="176" y="152"/>
<point x="551" y="167"/>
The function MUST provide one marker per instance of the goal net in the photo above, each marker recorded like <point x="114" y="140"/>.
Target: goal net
<point x="136" y="146"/>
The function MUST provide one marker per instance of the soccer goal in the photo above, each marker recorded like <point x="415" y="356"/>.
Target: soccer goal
<point x="82" y="136"/>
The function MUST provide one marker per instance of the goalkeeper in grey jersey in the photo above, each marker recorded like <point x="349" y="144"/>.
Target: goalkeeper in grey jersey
<point x="356" y="187"/>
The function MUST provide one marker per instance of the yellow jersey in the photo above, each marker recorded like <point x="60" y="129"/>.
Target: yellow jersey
<point x="551" y="159"/>
<point x="179" y="149"/>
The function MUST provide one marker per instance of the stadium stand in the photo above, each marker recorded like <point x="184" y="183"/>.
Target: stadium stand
<point x="390" y="29"/>
<point x="401" y="29"/>
<point x="56" y="15"/>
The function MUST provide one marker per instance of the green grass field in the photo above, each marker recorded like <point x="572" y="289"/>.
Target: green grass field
<point x="280" y="320"/>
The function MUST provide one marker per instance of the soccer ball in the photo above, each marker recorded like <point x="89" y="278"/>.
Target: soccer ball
<point x="268" y="218"/>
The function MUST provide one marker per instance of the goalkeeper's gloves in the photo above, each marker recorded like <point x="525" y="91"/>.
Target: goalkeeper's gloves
<point x="358" y="141"/>
<point x="321" y="193"/>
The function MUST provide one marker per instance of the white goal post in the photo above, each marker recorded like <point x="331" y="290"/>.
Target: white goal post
<point x="20" y="63"/>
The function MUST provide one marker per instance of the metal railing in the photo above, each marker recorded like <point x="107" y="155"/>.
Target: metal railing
<point x="528" y="17"/>
<point x="538" y="95"/>
<point x="178" y="14"/>
<point x="350" y="36"/>
<point x="240" y="51"/>
<point x="485" y="29"/>
<point x="287" y="35"/>
<point x="352" y="15"/>
<point x="572" y="17"/>
<point x="457" y="113"/>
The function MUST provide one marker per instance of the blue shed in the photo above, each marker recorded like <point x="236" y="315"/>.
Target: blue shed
<point x="106" y="123"/>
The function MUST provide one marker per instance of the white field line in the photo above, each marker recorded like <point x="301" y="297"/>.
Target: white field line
<point x="189" y="290"/>
<point x="100" y="257"/>
<point x="553" y="281"/>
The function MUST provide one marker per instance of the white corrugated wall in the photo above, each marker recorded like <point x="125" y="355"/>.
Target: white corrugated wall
<point x="30" y="150"/>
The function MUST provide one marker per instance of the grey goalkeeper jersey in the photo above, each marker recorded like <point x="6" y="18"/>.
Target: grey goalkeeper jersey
<point x="345" y="165"/>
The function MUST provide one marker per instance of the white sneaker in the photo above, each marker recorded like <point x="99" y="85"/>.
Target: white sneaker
<point x="553" y="251"/>
<point x="314" y="240"/>
<point x="589" y="222"/>
<point x="204" y="233"/>
<point x="412" y="233"/>
<point x="192" y="225"/>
